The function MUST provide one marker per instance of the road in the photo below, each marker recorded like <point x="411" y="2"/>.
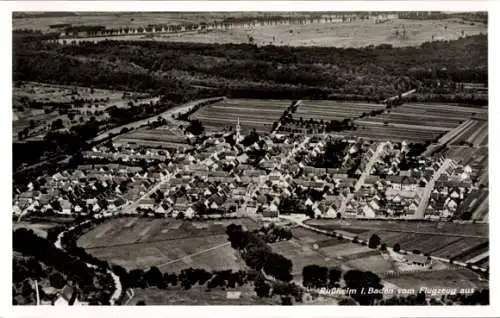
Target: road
<point x="448" y="137"/>
<point x="364" y="174"/>
<point x="167" y="115"/>
<point x="194" y="254"/>
<point x="294" y="151"/>
<point x="419" y="214"/>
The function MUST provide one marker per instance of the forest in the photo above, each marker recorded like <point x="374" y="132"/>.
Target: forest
<point x="246" y="70"/>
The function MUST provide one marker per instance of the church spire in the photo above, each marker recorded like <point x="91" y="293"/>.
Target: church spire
<point x="238" y="128"/>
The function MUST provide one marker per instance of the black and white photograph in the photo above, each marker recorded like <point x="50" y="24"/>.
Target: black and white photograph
<point x="298" y="157"/>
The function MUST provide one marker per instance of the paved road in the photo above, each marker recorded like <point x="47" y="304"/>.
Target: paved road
<point x="419" y="214"/>
<point x="168" y="115"/>
<point x="361" y="180"/>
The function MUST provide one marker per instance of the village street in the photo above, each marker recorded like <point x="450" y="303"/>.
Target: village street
<point x="419" y="214"/>
<point x="364" y="174"/>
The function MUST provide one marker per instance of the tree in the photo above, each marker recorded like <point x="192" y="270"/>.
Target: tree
<point x="334" y="275"/>
<point x="396" y="247"/>
<point x="195" y="127"/>
<point x="286" y="301"/>
<point x="57" y="124"/>
<point x="57" y="280"/>
<point x="383" y="247"/>
<point x="363" y="282"/>
<point x="374" y="241"/>
<point x="261" y="287"/>
<point x="315" y="276"/>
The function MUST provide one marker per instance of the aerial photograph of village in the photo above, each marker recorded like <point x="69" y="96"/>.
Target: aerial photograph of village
<point x="250" y="158"/>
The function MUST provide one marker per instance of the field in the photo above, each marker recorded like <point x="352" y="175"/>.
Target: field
<point x="421" y="121"/>
<point x="356" y="33"/>
<point x="446" y="240"/>
<point x="308" y="247"/>
<point x="171" y="245"/>
<point x="158" y="137"/>
<point x="333" y="110"/>
<point x="41" y="225"/>
<point x="255" y="114"/>
<point x="475" y="134"/>
<point x="114" y="19"/>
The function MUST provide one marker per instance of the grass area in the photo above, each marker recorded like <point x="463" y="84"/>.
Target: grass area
<point x="171" y="245"/>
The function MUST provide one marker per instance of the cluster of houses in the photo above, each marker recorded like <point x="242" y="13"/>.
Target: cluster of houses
<point x="269" y="175"/>
<point x="451" y="188"/>
<point x="122" y="176"/>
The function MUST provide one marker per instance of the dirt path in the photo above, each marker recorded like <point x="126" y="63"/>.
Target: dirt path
<point x="194" y="254"/>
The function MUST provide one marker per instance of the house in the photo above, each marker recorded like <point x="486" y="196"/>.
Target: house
<point x="268" y="213"/>
<point x="67" y="297"/>
<point x="368" y="211"/>
<point x="65" y="206"/>
<point x="190" y="213"/>
<point x="418" y="259"/>
<point x="412" y="208"/>
<point x="147" y="203"/>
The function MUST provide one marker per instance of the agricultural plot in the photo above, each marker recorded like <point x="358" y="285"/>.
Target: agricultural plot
<point x="445" y="240"/>
<point x="423" y="121"/>
<point x="308" y="247"/>
<point x="155" y="138"/>
<point x="476" y="134"/>
<point x="419" y="121"/>
<point x="435" y="228"/>
<point x="255" y="114"/>
<point x="169" y="245"/>
<point x="327" y="110"/>
<point x="382" y="132"/>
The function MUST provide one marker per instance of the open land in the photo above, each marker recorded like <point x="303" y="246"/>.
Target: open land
<point x="160" y="137"/>
<point x="418" y="121"/>
<point x="356" y="33"/>
<point x="446" y="240"/>
<point x="308" y="247"/>
<point x="168" y="244"/>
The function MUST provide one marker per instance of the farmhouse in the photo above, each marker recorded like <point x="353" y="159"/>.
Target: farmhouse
<point x="418" y="259"/>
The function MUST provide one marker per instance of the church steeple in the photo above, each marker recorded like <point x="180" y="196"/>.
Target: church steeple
<point x="238" y="128"/>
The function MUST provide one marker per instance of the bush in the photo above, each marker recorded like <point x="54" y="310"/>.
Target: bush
<point x="57" y="280"/>
<point x="396" y="247"/>
<point x="374" y="241"/>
